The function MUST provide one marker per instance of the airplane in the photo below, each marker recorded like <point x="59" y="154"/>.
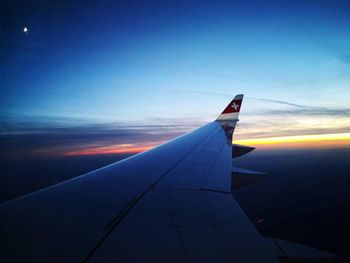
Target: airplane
<point x="173" y="203"/>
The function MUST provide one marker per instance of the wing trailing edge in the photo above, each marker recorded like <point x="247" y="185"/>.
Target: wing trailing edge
<point x="242" y="177"/>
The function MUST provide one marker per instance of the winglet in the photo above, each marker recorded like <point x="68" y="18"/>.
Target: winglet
<point x="230" y="113"/>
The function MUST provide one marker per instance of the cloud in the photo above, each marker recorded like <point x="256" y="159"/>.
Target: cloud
<point x="295" y="119"/>
<point x="304" y="110"/>
<point x="345" y="112"/>
<point x="250" y="131"/>
<point x="70" y="136"/>
<point x="58" y="138"/>
<point x="280" y="102"/>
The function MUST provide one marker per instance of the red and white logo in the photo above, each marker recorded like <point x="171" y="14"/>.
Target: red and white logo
<point x="234" y="106"/>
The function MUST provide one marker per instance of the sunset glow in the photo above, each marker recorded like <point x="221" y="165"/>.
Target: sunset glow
<point x="339" y="140"/>
<point x="109" y="150"/>
<point x="312" y="141"/>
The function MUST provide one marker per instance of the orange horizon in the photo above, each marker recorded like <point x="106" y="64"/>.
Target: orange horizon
<point x="94" y="151"/>
<point x="334" y="140"/>
<point x="337" y="140"/>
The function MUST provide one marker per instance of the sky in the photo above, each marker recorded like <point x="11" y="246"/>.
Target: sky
<point x="90" y="77"/>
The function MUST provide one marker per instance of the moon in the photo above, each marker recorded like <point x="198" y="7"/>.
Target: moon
<point x="25" y="29"/>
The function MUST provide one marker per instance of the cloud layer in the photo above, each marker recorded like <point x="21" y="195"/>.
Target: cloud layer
<point x="67" y="136"/>
<point x="53" y="138"/>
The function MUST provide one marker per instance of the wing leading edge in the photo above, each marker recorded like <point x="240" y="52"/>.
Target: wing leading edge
<point x="172" y="203"/>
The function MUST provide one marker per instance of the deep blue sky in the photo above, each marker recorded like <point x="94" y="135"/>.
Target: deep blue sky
<point x="122" y="75"/>
<point x="145" y="63"/>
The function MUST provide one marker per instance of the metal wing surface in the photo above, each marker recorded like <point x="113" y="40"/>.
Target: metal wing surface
<point x="170" y="204"/>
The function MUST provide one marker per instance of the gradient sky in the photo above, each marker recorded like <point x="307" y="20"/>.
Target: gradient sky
<point x="92" y="76"/>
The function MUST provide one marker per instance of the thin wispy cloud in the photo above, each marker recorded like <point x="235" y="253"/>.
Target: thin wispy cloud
<point x="250" y="131"/>
<point x="280" y="102"/>
<point x="55" y="138"/>
<point x="299" y="109"/>
<point x="311" y="112"/>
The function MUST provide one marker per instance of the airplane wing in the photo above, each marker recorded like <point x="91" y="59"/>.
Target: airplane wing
<point x="173" y="203"/>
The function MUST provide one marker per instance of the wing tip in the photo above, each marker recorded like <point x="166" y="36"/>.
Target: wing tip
<point x="232" y="110"/>
<point x="238" y="97"/>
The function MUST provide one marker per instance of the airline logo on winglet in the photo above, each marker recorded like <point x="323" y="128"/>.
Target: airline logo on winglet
<point x="230" y="113"/>
<point x="234" y="106"/>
